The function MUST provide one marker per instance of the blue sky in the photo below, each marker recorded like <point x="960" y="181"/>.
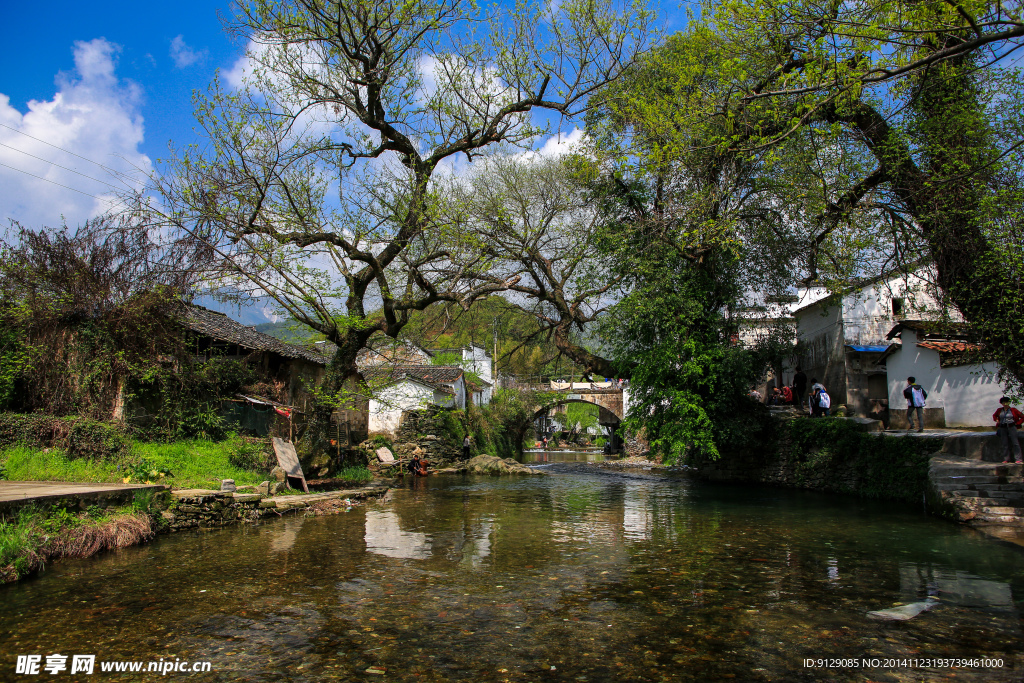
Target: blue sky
<point x="91" y="94"/>
<point x="110" y="82"/>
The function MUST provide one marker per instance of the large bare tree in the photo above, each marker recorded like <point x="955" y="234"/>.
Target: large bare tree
<point x="314" y="183"/>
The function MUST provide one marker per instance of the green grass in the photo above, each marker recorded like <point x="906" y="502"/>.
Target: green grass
<point x="18" y="536"/>
<point x="194" y="464"/>
<point x="197" y="464"/>
<point x="357" y="473"/>
<point x="23" y="463"/>
<point x="35" y="535"/>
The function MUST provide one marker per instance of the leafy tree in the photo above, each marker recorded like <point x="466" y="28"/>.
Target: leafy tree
<point x="861" y="137"/>
<point x="689" y="380"/>
<point x="579" y="417"/>
<point x="83" y="313"/>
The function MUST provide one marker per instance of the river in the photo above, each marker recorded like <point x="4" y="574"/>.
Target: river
<point x="579" y="576"/>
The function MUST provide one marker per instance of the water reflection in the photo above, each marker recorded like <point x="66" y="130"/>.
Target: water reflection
<point x="605" y="577"/>
<point x="385" y="536"/>
<point x="565" y="456"/>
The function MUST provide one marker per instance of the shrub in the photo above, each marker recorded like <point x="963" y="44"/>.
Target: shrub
<point x="79" y="437"/>
<point x="883" y="466"/>
<point x="249" y="454"/>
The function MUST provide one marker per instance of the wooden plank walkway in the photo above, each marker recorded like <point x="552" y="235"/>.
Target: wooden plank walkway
<point x="15" y="494"/>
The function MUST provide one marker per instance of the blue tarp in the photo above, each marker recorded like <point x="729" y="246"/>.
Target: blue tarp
<point x="867" y="349"/>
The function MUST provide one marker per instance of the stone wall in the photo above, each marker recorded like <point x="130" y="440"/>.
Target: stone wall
<point x="840" y="455"/>
<point x="197" y="509"/>
<point x="429" y="434"/>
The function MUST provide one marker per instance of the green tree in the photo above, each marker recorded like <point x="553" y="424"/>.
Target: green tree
<point x="860" y="136"/>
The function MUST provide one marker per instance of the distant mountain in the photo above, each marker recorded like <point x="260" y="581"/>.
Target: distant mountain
<point x="288" y="331"/>
<point x="259" y="312"/>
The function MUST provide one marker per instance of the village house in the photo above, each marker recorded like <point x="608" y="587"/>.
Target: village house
<point x="962" y="390"/>
<point x="295" y="368"/>
<point x="215" y="335"/>
<point x="476" y="360"/>
<point x="841" y="340"/>
<point x="397" y="389"/>
<point x="403" y="376"/>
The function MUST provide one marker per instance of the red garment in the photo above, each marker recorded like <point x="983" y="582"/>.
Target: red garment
<point x="1018" y="417"/>
<point x="787" y="394"/>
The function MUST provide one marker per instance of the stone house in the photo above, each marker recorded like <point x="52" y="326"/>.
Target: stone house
<point x="841" y="339"/>
<point x="215" y="335"/>
<point x="962" y="391"/>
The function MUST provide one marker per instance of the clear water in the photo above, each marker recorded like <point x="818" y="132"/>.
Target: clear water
<point x="572" y="577"/>
<point x="532" y="457"/>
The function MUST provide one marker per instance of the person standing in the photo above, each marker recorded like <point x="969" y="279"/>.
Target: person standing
<point x="465" y="447"/>
<point x="915" y="395"/>
<point x="814" y="399"/>
<point x="1008" y="420"/>
<point x="799" y="386"/>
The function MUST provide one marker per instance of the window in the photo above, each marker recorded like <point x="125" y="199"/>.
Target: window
<point x="897" y="307"/>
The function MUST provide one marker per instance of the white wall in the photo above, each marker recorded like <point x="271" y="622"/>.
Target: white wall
<point x="968" y="394"/>
<point x="476" y="360"/>
<point x="387" y="406"/>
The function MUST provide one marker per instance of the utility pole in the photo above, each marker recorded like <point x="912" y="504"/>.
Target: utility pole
<point x="494" y="326"/>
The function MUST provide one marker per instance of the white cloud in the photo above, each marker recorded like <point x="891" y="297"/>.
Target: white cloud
<point x="183" y="55"/>
<point x="93" y="117"/>
<point x="558" y="144"/>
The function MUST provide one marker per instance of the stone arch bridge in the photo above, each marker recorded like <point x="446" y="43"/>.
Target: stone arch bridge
<point x="609" y="401"/>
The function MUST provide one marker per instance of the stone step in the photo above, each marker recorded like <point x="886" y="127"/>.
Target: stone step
<point x="975" y="503"/>
<point x="981" y="446"/>
<point x="1001" y="510"/>
<point x="969" y="502"/>
<point x="1014" y="520"/>
<point x="946" y="469"/>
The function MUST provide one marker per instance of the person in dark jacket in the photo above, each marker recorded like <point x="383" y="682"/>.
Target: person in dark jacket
<point x="1008" y="420"/>
<point x="915" y="395"/>
<point x="799" y="387"/>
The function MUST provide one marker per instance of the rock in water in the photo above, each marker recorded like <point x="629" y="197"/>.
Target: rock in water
<point x="903" y="612"/>
<point x="488" y="464"/>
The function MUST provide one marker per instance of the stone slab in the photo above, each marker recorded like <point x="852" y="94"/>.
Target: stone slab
<point x="288" y="459"/>
<point x="246" y="497"/>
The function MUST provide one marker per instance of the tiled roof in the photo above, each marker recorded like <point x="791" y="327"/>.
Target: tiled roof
<point x="219" y="326"/>
<point x="435" y="376"/>
<point x="949" y="346"/>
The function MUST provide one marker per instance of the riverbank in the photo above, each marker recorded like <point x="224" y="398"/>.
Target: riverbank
<point x="185" y="464"/>
<point x="39" y="533"/>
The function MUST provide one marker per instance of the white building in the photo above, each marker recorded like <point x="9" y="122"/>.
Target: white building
<point x="476" y="360"/>
<point x="841" y="339"/>
<point x="397" y="389"/>
<point x="961" y="391"/>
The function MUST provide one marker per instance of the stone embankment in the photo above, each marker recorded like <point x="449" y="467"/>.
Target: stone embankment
<point x="203" y="509"/>
<point x="969" y="482"/>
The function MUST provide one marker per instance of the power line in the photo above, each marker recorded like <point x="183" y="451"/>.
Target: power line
<point x="105" y="168"/>
<point x="53" y="163"/>
<point x="55" y="182"/>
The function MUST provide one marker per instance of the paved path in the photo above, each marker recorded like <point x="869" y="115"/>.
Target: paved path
<point x="14" y="493"/>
